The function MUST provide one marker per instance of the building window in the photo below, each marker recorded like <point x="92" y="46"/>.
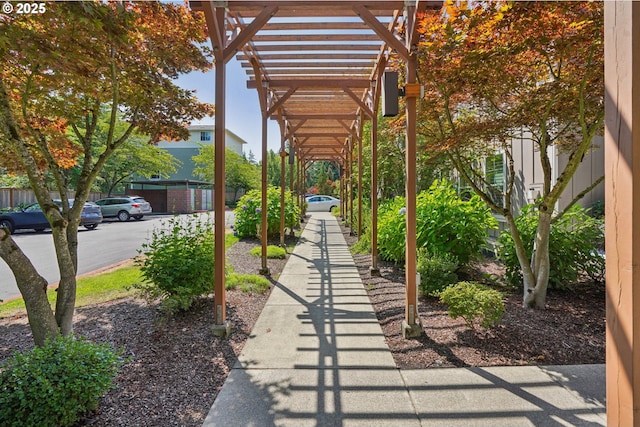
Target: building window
<point x="205" y="136"/>
<point x="494" y="174"/>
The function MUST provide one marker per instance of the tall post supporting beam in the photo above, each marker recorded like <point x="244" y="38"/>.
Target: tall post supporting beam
<point x="622" y="204"/>
<point x="264" y="268"/>
<point x="351" y="185"/>
<point x="291" y="167"/>
<point x="299" y="183"/>
<point x="283" y="162"/>
<point x="374" y="270"/>
<point x="411" y="325"/>
<point x="360" y="132"/>
<point x="342" y="181"/>
<point x="221" y="326"/>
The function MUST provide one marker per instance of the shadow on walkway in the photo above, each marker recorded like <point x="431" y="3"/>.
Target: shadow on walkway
<point x="317" y="357"/>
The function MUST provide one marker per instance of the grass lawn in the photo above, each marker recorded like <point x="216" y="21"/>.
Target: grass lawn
<point x="102" y="287"/>
<point x="273" y="252"/>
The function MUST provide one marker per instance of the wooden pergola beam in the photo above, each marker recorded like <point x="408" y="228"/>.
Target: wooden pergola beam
<point x="267" y="58"/>
<point x="320" y="47"/>
<point x="249" y="31"/>
<point x="313" y="83"/>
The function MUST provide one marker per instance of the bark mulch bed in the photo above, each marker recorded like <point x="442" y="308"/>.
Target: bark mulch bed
<point x="571" y="330"/>
<point x="177" y="366"/>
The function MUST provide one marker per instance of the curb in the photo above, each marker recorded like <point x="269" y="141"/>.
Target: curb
<point x="90" y="273"/>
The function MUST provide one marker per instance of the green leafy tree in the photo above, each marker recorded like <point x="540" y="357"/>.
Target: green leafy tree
<point x="60" y="68"/>
<point x="240" y="174"/>
<point x="136" y="157"/>
<point x="13" y="181"/>
<point x="274" y="168"/>
<point x="322" y="176"/>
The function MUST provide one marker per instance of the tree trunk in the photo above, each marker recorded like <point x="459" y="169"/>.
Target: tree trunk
<point x="33" y="288"/>
<point x="66" y="299"/>
<point x="536" y="297"/>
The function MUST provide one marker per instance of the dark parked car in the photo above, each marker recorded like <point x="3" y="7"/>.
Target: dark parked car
<point x="32" y="217"/>
<point x="91" y="214"/>
<point x="124" y="207"/>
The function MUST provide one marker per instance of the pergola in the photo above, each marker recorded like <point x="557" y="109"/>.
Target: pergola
<point x="318" y="67"/>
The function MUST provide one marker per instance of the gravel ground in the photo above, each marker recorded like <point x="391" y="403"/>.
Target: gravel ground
<point x="177" y="366"/>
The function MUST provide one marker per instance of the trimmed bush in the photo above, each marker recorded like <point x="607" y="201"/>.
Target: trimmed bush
<point x="248" y="283"/>
<point x="273" y="252"/>
<point x="572" y="247"/>
<point x="475" y="303"/>
<point x="249" y="213"/>
<point x="178" y="263"/>
<point x="445" y="224"/>
<point x="437" y="272"/>
<point x="55" y="384"/>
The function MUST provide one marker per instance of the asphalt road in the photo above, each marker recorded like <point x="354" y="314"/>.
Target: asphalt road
<point x="110" y="243"/>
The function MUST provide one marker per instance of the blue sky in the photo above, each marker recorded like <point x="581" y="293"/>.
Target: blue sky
<point x="243" y="109"/>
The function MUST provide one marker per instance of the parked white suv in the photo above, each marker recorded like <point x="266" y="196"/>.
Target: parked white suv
<point x="124" y="207"/>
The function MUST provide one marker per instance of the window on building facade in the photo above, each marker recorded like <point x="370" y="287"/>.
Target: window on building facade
<point x="205" y="136"/>
<point x="494" y="175"/>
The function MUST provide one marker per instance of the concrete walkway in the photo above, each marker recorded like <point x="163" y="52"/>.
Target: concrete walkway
<point x="317" y="357"/>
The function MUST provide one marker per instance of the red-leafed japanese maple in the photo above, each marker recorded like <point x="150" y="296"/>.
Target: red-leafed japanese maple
<point x="492" y="70"/>
<point x="63" y="71"/>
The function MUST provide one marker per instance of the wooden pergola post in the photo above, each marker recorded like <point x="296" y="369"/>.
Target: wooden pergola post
<point x="291" y="167"/>
<point x="360" y="131"/>
<point x="374" y="270"/>
<point x="411" y="326"/>
<point x="351" y="184"/>
<point x="342" y="182"/>
<point x="622" y="204"/>
<point x="283" y="162"/>
<point x="221" y="326"/>
<point x="264" y="268"/>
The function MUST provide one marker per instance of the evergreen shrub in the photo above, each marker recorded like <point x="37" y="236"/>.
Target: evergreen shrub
<point x="248" y="214"/>
<point x="445" y="224"/>
<point x="437" y="272"/>
<point x="573" y="247"/>
<point x="55" y="384"/>
<point x="178" y="262"/>
<point x="475" y="303"/>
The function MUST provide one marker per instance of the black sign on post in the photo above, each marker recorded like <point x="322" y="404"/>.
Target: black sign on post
<point x="390" y="93"/>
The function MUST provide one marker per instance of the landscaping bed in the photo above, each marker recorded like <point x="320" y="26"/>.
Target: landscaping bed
<point x="177" y="366"/>
<point x="571" y="330"/>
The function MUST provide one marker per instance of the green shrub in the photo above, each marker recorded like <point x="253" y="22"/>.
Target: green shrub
<point x="178" y="262"/>
<point x="597" y="209"/>
<point x="273" y="252"/>
<point x="363" y="245"/>
<point x="475" y="303"/>
<point x="437" y="272"/>
<point x="55" y="384"/>
<point x="444" y="224"/>
<point x="249" y="214"/>
<point x="572" y="247"/>
<point x="248" y="283"/>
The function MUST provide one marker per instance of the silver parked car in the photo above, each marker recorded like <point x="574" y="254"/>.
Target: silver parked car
<point x="322" y="203"/>
<point x="124" y="207"/>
